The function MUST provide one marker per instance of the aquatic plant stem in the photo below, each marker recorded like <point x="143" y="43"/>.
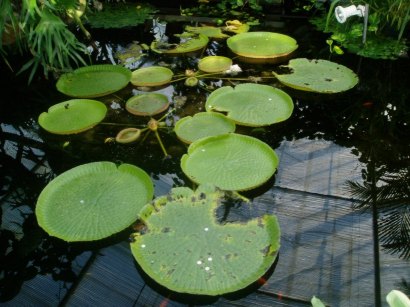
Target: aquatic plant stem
<point x="160" y="143"/>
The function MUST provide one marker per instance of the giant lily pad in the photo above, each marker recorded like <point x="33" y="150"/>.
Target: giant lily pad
<point x="94" y="81"/>
<point x="259" y="47"/>
<point x="151" y="76"/>
<point x="319" y="76"/>
<point x="190" y="43"/>
<point x="230" y="161"/>
<point x="251" y="104"/>
<point x="72" y="116"/>
<point x="184" y="248"/>
<point x="93" y="201"/>
<point x="203" y="124"/>
<point x="214" y="63"/>
<point x="147" y="104"/>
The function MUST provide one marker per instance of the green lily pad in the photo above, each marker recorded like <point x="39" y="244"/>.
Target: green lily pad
<point x="93" y="201"/>
<point x="319" y="76"/>
<point x="184" y="248"/>
<point x="203" y="124"/>
<point x="147" y="104"/>
<point x="231" y="162"/>
<point x="190" y="42"/>
<point x="94" y="81"/>
<point x="214" y="63"/>
<point x="262" y="46"/>
<point x="128" y="135"/>
<point x="72" y="116"/>
<point x="151" y="76"/>
<point x="211" y="32"/>
<point x="251" y="104"/>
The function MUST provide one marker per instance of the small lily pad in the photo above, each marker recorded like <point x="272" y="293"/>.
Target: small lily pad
<point x="319" y="76"/>
<point x="147" y="104"/>
<point x="203" y="124"/>
<point x="94" y="81"/>
<point x="259" y="47"/>
<point x="211" y="32"/>
<point x="189" y="43"/>
<point x="151" y="76"/>
<point x="93" y="201"/>
<point x="184" y="248"/>
<point x="214" y="64"/>
<point x="128" y="135"/>
<point x="251" y="104"/>
<point x="72" y="116"/>
<point x="230" y="162"/>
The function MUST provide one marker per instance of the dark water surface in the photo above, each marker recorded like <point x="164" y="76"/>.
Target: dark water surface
<point x="327" y="243"/>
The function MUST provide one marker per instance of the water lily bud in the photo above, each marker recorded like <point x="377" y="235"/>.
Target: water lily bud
<point x="191" y="81"/>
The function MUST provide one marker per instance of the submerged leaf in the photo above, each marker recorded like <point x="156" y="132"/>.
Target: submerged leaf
<point x="184" y="248"/>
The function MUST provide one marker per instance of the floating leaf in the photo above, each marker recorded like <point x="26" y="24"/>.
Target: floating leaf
<point x="147" y="104"/>
<point x="319" y="76"/>
<point x="72" y="116"/>
<point x="214" y="63"/>
<point x="151" y="76"/>
<point x="184" y="248"/>
<point x="94" y="81"/>
<point x="211" y="32"/>
<point x="203" y="124"/>
<point x="251" y="104"/>
<point x="128" y="135"/>
<point x="262" y="46"/>
<point x="190" y="42"/>
<point x="236" y="26"/>
<point x="230" y="161"/>
<point x="93" y="201"/>
<point x="396" y="298"/>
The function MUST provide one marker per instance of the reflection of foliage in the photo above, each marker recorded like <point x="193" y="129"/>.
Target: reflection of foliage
<point x="120" y="15"/>
<point x="392" y="200"/>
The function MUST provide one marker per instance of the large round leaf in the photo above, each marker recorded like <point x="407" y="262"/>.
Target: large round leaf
<point x="93" y="201"/>
<point x="319" y="76"/>
<point x="230" y="161"/>
<point x="94" y="81"/>
<point x="251" y="104"/>
<point x="265" y="46"/>
<point x="72" y="116"/>
<point x="184" y="248"/>
<point x="203" y="124"/>
<point x="147" y="104"/>
<point x="151" y="76"/>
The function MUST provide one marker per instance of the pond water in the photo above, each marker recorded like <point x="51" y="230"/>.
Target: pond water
<point x="327" y="241"/>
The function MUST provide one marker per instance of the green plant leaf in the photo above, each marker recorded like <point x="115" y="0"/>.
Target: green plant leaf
<point x="94" y="81"/>
<point x="251" y="104"/>
<point x="203" y="124"/>
<point x="93" y="201"/>
<point x="396" y="298"/>
<point x="151" y="76"/>
<point x="184" y="248"/>
<point x="214" y="64"/>
<point x="190" y="42"/>
<point x="319" y="76"/>
<point x="72" y="116"/>
<point x="230" y="162"/>
<point x="147" y="104"/>
<point x="211" y="32"/>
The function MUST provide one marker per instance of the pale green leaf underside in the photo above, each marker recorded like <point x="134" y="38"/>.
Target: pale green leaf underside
<point x="72" y="116"/>
<point x="230" y="161"/>
<point x="251" y="104"/>
<point x="151" y="76"/>
<point x="93" y="201"/>
<point x="94" y="81"/>
<point x="185" y="249"/>
<point x="262" y="44"/>
<point x="203" y="124"/>
<point x="320" y="76"/>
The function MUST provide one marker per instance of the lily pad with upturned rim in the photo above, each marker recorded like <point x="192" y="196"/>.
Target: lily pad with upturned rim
<point x="251" y="104"/>
<point x="72" y="116"/>
<point x="262" y="46"/>
<point x="190" y="42"/>
<point x="94" y="81"/>
<point x="151" y="76"/>
<point x="230" y="161"/>
<point x="93" y="201"/>
<point x="203" y="124"/>
<point x="209" y="31"/>
<point x="128" y="135"/>
<point x="320" y="76"/>
<point x="147" y="104"/>
<point x="214" y="64"/>
<point x="185" y="249"/>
